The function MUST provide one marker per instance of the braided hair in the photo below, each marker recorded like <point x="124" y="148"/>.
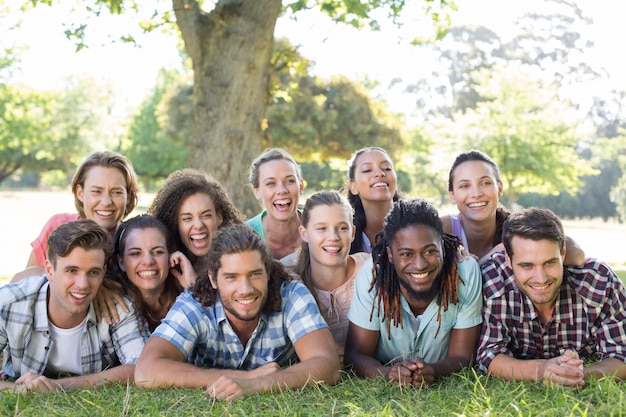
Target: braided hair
<point x="385" y="280"/>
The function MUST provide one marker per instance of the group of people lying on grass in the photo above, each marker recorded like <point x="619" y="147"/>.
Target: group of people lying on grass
<point x="192" y="295"/>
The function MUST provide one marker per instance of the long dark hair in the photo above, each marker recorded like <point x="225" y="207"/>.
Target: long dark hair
<point x="236" y="239"/>
<point x="385" y="280"/>
<point x="359" y="219"/>
<point x="172" y="287"/>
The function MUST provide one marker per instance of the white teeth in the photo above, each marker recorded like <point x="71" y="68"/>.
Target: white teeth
<point x="199" y="237"/>
<point x="79" y="296"/>
<point x="247" y="301"/>
<point x="104" y="213"/>
<point x="540" y="287"/>
<point x="419" y="276"/>
<point x="472" y="205"/>
<point x="380" y="184"/>
<point x="332" y="248"/>
<point x="147" y="273"/>
<point x="282" y="202"/>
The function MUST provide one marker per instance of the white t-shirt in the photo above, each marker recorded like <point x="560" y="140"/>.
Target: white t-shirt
<point x="65" y="354"/>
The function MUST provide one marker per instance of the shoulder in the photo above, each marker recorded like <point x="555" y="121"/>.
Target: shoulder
<point x="446" y="219"/>
<point x="469" y="272"/>
<point x="60" y="218"/>
<point x="497" y="276"/>
<point x="592" y="280"/>
<point x="26" y="289"/>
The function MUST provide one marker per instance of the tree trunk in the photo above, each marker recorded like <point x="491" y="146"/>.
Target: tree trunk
<point x="230" y="48"/>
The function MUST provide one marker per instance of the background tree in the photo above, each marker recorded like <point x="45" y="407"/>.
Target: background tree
<point x="154" y="152"/>
<point x="230" y="46"/>
<point x="523" y="128"/>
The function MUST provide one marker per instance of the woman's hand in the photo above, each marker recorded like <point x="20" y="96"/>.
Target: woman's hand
<point x="186" y="276"/>
<point x="105" y="303"/>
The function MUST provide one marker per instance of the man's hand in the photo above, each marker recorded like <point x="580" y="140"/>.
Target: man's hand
<point x="566" y="370"/>
<point x="401" y="373"/>
<point x="227" y="389"/>
<point x="33" y="382"/>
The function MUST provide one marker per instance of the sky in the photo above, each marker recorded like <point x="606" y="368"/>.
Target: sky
<point x="335" y="49"/>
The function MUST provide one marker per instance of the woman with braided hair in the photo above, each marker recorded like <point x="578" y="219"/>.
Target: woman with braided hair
<point x="415" y="314"/>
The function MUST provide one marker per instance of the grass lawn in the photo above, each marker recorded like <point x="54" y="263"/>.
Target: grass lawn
<point x="463" y="394"/>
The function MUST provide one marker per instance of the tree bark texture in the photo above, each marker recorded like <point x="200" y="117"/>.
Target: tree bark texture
<point x="230" y="48"/>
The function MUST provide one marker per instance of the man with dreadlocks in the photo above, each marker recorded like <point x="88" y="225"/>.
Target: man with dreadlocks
<point x="241" y="328"/>
<point x="416" y="311"/>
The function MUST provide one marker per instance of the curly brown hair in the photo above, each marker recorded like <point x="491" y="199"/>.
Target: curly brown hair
<point x="177" y="187"/>
<point x="237" y="239"/>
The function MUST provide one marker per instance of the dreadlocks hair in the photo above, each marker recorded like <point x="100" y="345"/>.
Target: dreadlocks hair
<point x="182" y="184"/>
<point x="234" y="239"/>
<point x="321" y="198"/>
<point x="172" y="287"/>
<point x="385" y="280"/>
<point x="359" y="218"/>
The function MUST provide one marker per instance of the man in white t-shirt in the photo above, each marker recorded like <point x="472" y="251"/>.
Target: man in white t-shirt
<point x="48" y="328"/>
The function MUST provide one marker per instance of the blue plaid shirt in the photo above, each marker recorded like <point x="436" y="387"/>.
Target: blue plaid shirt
<point x="205" y="337"/>
<point x="25" y="336"/>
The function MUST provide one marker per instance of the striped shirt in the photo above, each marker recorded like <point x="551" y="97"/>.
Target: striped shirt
<point x="25" y="334"/>
<point x="205" y="337"/>
<point x="589" y="316"/>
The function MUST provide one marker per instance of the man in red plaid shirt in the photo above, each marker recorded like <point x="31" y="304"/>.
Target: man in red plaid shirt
<point x="543" y="319"/>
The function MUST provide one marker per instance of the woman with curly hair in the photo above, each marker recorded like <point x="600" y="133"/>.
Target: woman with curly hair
<point x="416" y="310"/>
<point x="193" y="206"/>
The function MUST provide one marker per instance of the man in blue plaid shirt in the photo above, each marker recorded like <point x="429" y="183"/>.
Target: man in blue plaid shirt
<point x="541" y="318"/>
<point x="48" y="328"/>
<point x="244" y="328"/>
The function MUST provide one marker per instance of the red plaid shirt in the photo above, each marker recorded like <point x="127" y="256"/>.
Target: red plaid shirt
<point x="589" y="316"/>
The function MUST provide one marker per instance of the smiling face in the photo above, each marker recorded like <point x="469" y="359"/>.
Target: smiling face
<point x="279" y="188"/>
<point x="374" y="177"/>
<point x="417" y="255"/>
<point x="242" y="285"/>
<point x="329" y="233"/>
<point x="74" y="282"/>
<point x="146" y="259"/>
<point x="103" y="195"/>
<point x="538" y="269"/>
<point x="197" y="223"/>
<point x="476" y="190"/>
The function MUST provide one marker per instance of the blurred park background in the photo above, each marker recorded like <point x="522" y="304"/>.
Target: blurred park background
<point x="535" y="86"/>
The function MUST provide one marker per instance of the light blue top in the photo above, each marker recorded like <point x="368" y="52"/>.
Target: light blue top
<point x="416" y="338"/>
<point x="457" y="229"/>
<point x="205" y="337"/>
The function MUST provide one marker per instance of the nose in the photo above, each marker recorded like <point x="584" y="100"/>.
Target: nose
<point x="380" y="172"/>
<point x="81" y="281"/>
<point x="476" y="190"/>
<point x="420" y="262"/>
<point x="106" y="199"/>
<point x="148" y="259"/>
<point x="245" y="287"/>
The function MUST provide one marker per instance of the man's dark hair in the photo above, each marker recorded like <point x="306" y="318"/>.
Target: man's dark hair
<point x="535" y="224"/>
<point x="82" y="233"/>
<point x="237" y="239"/>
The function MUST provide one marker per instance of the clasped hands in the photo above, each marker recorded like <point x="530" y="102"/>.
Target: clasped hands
<point x="412" y="372"/>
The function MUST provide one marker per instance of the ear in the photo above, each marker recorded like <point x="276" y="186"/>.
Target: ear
<point x="353" y="234"/>
<point x="500" y="187"/>
<point x="509" y="262"/>
<point x="256" y="192"/>
<point x="563" y="253"/>
<point x="120" y="263"/>
<point x="389" y="254"/>
<point x="353" y="188"/>
<point x="301" y="187"/>
<point x="219" y="220"/>
<point x="451" y="194"/>
<point x="49" y="268"/>
<point x="212" y="281"/>
<point x="303" y="234"/>
<point x="80" y="193"/>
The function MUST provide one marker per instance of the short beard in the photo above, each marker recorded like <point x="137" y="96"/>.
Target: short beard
<point x="423" y="295"/>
